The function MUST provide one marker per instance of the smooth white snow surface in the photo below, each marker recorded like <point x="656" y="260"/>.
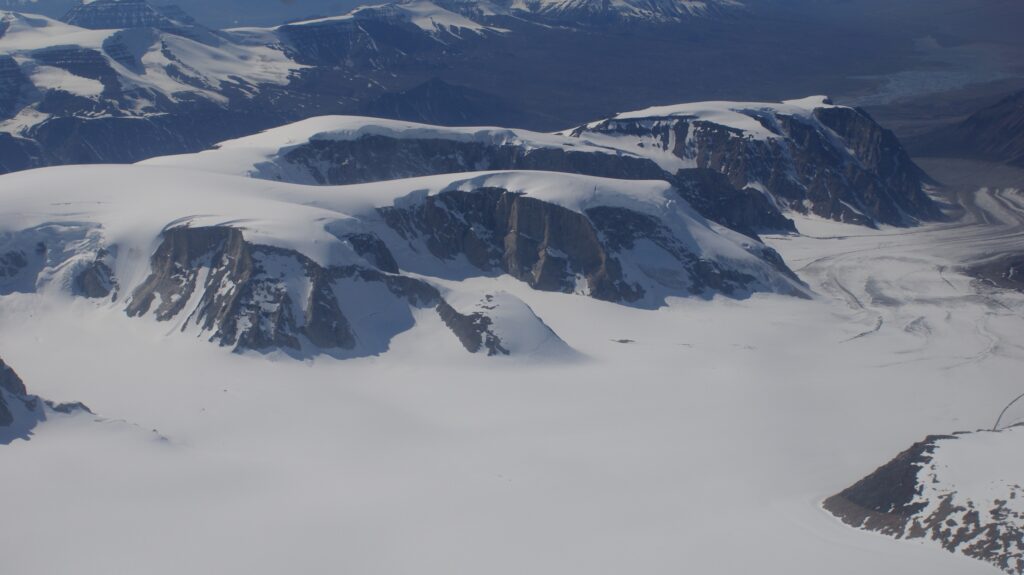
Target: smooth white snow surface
<point x="700" y="438"/>
<point x="50" y="78"/>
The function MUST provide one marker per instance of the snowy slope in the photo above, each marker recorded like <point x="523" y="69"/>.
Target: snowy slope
<point x="253" y="264"/>
<point x="960" y="491"/>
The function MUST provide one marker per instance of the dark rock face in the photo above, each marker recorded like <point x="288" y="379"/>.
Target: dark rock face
<point x="9" y="380"/>
<point x="913" y="497"/>
<point x="114" y="14"/>
<point x="841" y="166"/>
<point x="363" y="42"/>
<point x="95" y="281"/>
<point x="6" y="417"/>
<point x="21" y="412"/>
<point x="259" y="297"/>
<point x="888" y="180"/>
<point x="127" y="14"/>
<point x="373" y="250"/>
<point x="1006" y="273"/>
<point x="244" y="300"/>
<point x="12" y="262"/>
<point x="17" y="154"/>
<point x="473" y="330"/>
<point x="377" y="158"/>
<point x="885" y="500"/>
<point x="540" y="244"/>
<point x="249" y="296"/>
<point x="13" y="83"/>
<point x="552" y="248"/>
<point x="746" y="210"/>
<point x="994" y="134"/>
<point x="192" y="125"/>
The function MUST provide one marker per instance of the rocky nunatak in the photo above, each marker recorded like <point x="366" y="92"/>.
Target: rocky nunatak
<point x="20" y="412"/>
<point x="960" y="491"/>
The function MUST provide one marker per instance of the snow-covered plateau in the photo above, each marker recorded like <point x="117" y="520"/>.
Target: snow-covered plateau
<point x="698" y="434"/>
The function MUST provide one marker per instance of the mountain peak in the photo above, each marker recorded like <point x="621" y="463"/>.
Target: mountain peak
<point x="113" y="14"/>
<point x="596" y="11"/>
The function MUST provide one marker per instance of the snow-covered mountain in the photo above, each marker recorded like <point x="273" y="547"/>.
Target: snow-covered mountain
<point x="739" y="164"/>
<point x="577" y="12"/>
<point x="117" y="14"/>
<point x="72" y="94"/>
<point x="346" y="150"/>
<point x="960" y="491"/>
<point x="113" y="71"/>
<point x="124" y="80"/>
<point x="251" y="264"/>
<point x="995" y="134"/>
<point x="587" y="12"/>
<point x="811" y="156"/>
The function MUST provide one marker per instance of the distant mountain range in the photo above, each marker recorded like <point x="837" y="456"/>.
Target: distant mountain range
<point x="96" y="91"/>
<point x="995" y="134"/>
<point x="124" y="80"/>
<point x="226" y="13"/>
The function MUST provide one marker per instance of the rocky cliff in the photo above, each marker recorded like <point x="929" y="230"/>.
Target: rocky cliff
<point x="343" y="270"/>
<point x="808" y="155"/>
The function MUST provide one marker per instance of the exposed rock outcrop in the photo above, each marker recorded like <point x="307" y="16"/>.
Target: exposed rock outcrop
<point x="832" y="161"/>
<point x="473" y="330"/>
<point x="501" y="324"/>
<point x="555" y="249"/>
<point x="259" y="297"/>
<point x="311" y="271"/>
<point x="1004" y="272"/>
<point x="21" y="412"/>
<point x="373" y="158"/>
<point x="9" y="380"/>
<point x="958" y="491"/>
<point x="249" y="296"/>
